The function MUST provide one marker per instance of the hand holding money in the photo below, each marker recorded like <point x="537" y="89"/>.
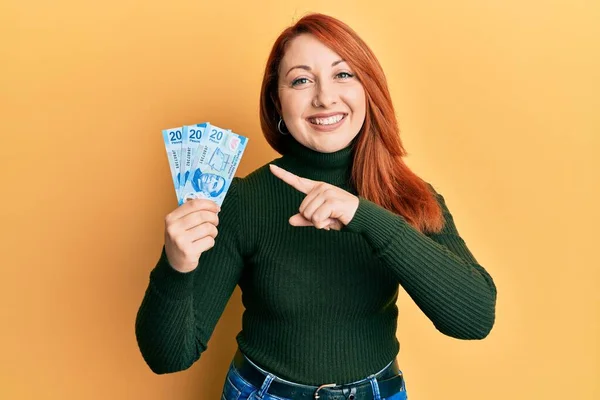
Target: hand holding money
<point x="190" y="230"/>
<point x="202" y="159"/>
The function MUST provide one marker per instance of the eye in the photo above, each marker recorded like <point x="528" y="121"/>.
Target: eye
<point x="299" y="81"/>
<point x="345" y="75"/>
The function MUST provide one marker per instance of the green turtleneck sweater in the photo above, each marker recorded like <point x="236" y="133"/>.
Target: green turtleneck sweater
<point x="320" y="306"/>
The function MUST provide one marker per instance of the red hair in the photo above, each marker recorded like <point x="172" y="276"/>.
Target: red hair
<point x="379" y="173"/>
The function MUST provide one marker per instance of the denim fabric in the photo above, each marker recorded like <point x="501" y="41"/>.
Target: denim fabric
<point x="236" y="388"/>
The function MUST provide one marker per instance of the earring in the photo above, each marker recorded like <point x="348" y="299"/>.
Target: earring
<point x="279" y="127"/>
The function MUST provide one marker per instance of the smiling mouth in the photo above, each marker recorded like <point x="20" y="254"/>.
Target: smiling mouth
<point x="327" y="121"/>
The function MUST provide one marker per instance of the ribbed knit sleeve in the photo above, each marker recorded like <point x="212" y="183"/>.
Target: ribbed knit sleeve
<point x="438" y="271"/>
<point x="179" y="311"/>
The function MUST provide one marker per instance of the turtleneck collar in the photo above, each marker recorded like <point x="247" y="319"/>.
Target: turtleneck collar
<point x="334" y="168"/>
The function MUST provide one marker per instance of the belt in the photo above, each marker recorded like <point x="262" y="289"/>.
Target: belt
<point x="390" y="382"/>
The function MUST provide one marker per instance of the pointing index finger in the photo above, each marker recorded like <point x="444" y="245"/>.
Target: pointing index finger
<point x="302" y="184"/>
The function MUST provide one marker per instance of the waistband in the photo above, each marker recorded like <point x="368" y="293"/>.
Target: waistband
<point x="386" y="382"/>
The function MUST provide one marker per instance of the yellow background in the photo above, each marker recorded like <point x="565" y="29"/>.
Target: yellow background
<point x="499" y="107"/>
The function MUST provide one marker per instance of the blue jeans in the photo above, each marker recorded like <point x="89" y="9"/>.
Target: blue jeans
<point x="236" y="388"/>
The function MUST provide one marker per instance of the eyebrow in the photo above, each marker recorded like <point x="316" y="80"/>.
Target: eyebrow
<point x="307" y="68"/>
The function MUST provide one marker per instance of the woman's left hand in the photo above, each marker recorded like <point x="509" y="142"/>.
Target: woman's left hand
<point x="324" y="207"/>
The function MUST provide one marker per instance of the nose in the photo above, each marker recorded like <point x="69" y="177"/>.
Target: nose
<point x="326" y="95"/>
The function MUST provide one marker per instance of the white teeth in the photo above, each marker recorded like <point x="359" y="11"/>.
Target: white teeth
<point x="327" y="121"/>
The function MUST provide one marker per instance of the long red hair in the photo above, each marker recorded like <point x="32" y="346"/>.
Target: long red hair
<point x="379" y="173"/>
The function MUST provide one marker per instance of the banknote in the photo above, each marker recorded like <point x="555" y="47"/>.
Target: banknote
<point x="190" y="144"/>
<point x="214" y="165"/>
<point x="172" y="139"/>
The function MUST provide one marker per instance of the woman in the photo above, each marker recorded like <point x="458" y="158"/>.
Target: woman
<point x="318" y="241"/>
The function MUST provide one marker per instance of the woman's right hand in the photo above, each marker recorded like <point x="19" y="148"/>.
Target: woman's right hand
<point x="190" y="230"/>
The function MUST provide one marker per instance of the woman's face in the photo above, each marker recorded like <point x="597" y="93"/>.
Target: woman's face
<point x="322" y="102"/>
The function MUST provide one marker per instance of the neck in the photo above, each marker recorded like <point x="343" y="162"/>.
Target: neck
<point x="334" y="168"/>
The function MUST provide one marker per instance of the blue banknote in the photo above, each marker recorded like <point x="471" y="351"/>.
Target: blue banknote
<point x="191" y="144"/>
<point x="173" y="140"/>
<point x="214" y="165"/>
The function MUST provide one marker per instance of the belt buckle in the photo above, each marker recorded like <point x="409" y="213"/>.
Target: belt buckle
<point x="316" y="395"/>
